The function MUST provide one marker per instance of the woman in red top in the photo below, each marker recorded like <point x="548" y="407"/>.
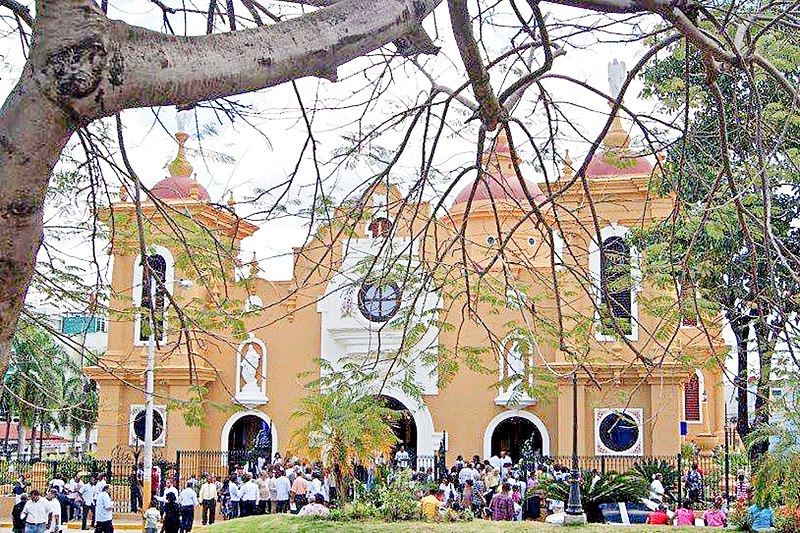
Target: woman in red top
<point x="658" y="517"/>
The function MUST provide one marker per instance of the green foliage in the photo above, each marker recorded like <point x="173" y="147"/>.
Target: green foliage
<point x="739" y="517"/>
<point x="611" y="487"/>
<point x="787" y="519"/>
<point x="645" y="469"/>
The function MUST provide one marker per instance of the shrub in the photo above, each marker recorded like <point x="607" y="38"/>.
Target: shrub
<point x="647" y="468"/>
<point x="787" y="519"/>
<point x="739" y="517"/>
<point x="611" y="487"/>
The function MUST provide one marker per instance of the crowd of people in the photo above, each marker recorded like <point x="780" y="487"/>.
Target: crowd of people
<point x="63" y="501"/>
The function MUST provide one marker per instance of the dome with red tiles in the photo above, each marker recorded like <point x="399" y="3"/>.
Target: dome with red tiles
<point x="180" y="185"/>
<point x="610" y="164"/>
<point x="180" y="188"/>
<point x="500" y="181"/>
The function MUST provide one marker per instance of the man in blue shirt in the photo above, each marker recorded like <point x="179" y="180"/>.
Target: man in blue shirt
<point x="104" y="506"/>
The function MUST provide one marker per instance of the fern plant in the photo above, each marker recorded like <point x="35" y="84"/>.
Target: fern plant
<point x="610" y="487"/>
<point x="647" y="468"/>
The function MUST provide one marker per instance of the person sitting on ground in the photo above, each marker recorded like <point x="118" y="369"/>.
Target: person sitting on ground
<point x="741" y="487"/>
<point x="314" y="507"/>
<point x="715" y="517"/>
<point x="430" y="504"/>
<point x="760" y="517"/>
<point x="684" y="516"/>
<point x="658" y="517"/>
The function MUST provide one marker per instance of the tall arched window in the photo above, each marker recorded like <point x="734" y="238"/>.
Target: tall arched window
<point x="154" y="284"/>
<point x="692" y="397"/>
<point x="162" y="268"/>
<point x="616" y="286"/>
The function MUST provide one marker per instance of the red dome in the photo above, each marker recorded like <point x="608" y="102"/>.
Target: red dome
<point x="180" y="188"/>
<point x="494" y="187"/>
<point x="605" y="165"/>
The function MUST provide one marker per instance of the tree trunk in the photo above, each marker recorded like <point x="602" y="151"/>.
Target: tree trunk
<point x="741" y="331"/>
<point x="86" y="438"/>
<point x="41" y="436"/>
<point x="20" y="441"/>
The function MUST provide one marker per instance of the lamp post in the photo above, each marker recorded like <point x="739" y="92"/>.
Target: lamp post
<point x="574" y="514"/>
<point x="147" y="474"/>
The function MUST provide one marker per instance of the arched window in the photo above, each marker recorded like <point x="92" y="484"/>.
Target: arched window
<point x="616" y="286"/>
<point x="154" y="284"/>
<point x="162" y="269"/>
<point x="692" y="396"/>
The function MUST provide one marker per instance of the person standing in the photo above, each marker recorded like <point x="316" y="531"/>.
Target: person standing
<point x="73" y="497"/>
<point x="248" y="496"/>
<point x="502" y="505"/>
<point x="87" y="492"/>
<point x="171" y="515"/>
<point x="299" y="494"/>
<point x="263" y="492"/>
<point x="282" y="492"/>
<point x="19" y="488"/>
<point x="235" y="498"/>
<point x="36" y="513"/>
<point x="55" y="511"/>
<point x="135" y="482"/>
<point x="187" y="500"/>
<point x="273" y="492"/>
<point x="657" y="489"/>
<point x="151" y="518"/>
<point x="208" y="499"/>
<point x="694" y="484"/>
<point x="17" y="522"/>
<point x="103" y="508"/>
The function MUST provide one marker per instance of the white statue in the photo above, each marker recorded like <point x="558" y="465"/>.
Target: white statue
<point x="184" y="120"/>
<point x="616" y="77"/>
<point x="249" y="366"/>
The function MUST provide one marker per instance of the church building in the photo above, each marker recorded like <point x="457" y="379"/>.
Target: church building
<point x="482" y="306"/>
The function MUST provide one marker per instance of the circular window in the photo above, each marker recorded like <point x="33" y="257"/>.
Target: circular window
<point x="490" y="240"/>
<point x="379" y="302"/>
<point x="139" y="424"/>
<point x="531" y="241"/>
<point x="619" y="432"/>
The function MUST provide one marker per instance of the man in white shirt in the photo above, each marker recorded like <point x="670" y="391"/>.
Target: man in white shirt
<point x="208" y="499"/>
<point x="313" y="508"/>
<point x="55" y="511"/>
<point x="36" y="513"/>
<point x="101" y="482"/>
<point x="282" y="488"/>
<point x="87" y="492"/>
<point x="233" y="490"/>
<point x="315" y="487"/>
<point x="248" y="495"/>
<point x="167" y="489"/>
<point x="187" y="500"/>
<point x="72" y="487"/>
<point x="402" y="458"/>
<point x="464" y="474"/>
<point x="104" y="506"/>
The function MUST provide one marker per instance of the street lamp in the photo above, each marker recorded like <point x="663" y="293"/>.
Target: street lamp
<point x="574" y="514"/>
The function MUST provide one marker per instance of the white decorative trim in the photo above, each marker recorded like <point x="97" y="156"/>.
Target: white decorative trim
<point x="636" y="414"/>
<point x="253" y="303"/>
<point x="226" y="429"/>
<point x="510" y="352"/>
<point x="135" y="409"/>
<point x="511" y="413"/>
<point x="428" y="440"/>
<point x="169" y="281"/>
<point x="615" y="230"/>
<point x="249" y="397"/>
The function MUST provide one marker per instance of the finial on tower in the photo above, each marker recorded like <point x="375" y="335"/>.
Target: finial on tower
<point x="231" y="201"/>
<point x="567" y="171"/>
<point x="253" y="266"/>
<point x="123" y="193"/>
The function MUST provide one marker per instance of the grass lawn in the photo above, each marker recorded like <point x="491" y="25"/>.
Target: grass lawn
<point x="294" y="524"/>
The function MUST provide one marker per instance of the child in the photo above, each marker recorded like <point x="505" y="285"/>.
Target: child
<point x="151" y="518"/>
<point x="684" y="516"/>
<point x="715" y="517"/>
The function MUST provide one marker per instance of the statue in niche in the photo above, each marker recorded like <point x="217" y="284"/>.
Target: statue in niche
<point x="617" y="73"/>
<point x="249" y="368"/>
<point x="251" y="379"/>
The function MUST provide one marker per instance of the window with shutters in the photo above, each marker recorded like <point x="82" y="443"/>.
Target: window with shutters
<point x="692" y="398"/>
<point x="615" y="286"/>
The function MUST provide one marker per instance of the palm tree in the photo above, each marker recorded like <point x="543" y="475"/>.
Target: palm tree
<point x="34" y="379"/>
<point x="80" y="407"/>
<point x="344" y="428"/>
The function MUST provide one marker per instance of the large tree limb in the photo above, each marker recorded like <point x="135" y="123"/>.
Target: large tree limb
<point x="490" y="110"/>
<point x="125" y="66"/>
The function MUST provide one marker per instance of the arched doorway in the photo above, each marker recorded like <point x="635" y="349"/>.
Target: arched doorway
<point x="510" y="435"/>
<point x="248" y="438"/>
<point x="405" y="428"/>
<point x="510" y="429"/>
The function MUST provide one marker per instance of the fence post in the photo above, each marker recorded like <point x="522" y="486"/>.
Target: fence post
<point x="178" y="465"/>
<point x="109" y="472"/>
<point x="680" y="475"/>
<point x="603" y="464"/>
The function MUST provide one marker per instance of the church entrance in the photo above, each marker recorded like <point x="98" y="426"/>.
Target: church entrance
<point x="250" y="441"/>
<point x="405" y="429"/>
<point x="512" y="433"/>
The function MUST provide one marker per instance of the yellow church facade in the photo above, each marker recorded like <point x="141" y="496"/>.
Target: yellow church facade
<point x="483" y="306"/>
